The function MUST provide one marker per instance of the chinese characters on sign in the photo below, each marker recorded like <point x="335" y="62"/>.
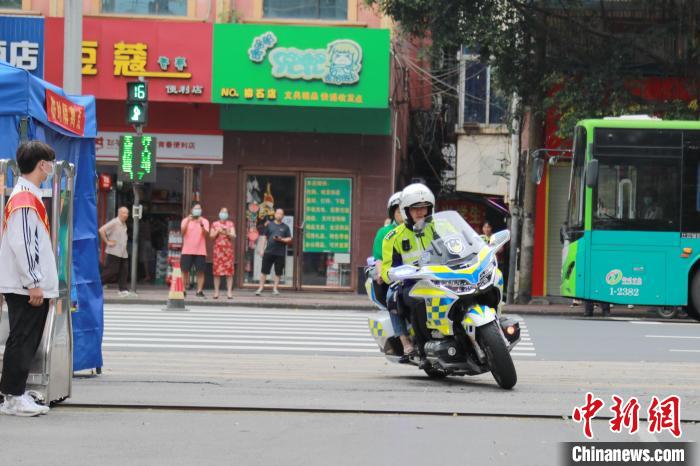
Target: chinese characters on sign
<point x="327" y="214"/>
<point x="339" y="63"/>
<point x="22" y="43"/>
<point x="64" y="113"/>
<point x="22" y="54"/>
<point x="137" y="158"/>
<point x="131" y="60"/>
<point x="662" y="415"/>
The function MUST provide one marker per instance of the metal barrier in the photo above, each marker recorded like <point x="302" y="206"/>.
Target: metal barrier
<point x="50" y="375"/>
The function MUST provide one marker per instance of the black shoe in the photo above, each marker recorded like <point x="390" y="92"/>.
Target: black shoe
<point x="200" y="294"/>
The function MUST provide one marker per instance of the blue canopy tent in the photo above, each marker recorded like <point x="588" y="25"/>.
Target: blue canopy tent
<point x="23" y="96"/>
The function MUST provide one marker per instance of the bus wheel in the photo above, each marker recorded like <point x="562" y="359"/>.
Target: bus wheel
<point x="693" y="308"/>
<point x="667" y="312"/>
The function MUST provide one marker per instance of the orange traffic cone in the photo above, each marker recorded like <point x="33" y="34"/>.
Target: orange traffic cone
<point x="176" y="296"/>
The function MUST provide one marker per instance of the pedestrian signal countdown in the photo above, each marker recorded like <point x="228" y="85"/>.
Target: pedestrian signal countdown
<point x="137" y="158"/>
<point x="137" y="91"/>
<point x="136" y="103"/>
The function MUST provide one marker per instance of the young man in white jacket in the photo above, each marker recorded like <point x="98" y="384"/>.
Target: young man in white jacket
<point x="29" y="277"/>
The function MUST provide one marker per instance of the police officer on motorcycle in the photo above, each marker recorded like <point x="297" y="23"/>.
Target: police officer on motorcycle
<point x="404" y="245"/>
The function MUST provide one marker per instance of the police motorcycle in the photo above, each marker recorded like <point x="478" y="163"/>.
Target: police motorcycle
<point x="459" y="279"/>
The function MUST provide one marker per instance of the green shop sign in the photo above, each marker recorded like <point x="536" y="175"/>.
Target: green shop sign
<point x="327" y="214"/>
<point x="301" y="66"/>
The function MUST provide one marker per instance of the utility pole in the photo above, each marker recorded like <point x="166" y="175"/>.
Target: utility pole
<point x="136" y="114"/>
<point x="535" y="141"/>
<point x="73" y="47"/>
<point x="513" y="200"/>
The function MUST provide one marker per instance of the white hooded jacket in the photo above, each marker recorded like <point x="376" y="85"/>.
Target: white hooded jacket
<point x="26" y="257"/>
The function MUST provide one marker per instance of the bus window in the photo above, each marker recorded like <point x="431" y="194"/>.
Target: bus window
<point x="691" y="185"/>
<point x="638" y="193"/>
<point x="576" y="202"/>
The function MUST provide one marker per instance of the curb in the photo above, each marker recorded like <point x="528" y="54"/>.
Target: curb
<point x="333" y="306"/>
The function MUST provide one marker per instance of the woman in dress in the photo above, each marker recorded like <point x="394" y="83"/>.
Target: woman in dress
<point x="223" y="233"/>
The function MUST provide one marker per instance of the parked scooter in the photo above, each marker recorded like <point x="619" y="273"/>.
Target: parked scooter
<point x="459" y="279"/>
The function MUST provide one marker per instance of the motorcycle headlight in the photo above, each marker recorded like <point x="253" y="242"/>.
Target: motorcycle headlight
<point x="459" y="286"/>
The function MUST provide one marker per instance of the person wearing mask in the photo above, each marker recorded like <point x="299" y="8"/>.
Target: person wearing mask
<point x="29" y="275"/>
<point x="381" y="288"/>
<point x="114" y="235"/>
<point x="651" y="209"/>
<point x="275" y="239"/>
<point x="223" y="232"/>
<point x="404" y="245"/>
<point x="194" y="230"/>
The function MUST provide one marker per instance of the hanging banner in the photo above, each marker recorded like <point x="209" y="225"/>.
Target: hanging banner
<point x="327" y="214"/>
<point x="64" y="113"/>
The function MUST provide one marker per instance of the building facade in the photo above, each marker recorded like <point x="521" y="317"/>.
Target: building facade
<point x="256" y="105"/>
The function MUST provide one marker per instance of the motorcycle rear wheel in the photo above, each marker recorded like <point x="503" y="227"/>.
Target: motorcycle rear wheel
<point x="499" y="359"/>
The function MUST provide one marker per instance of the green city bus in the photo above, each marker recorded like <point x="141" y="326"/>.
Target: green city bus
<point x="632" y="234"/>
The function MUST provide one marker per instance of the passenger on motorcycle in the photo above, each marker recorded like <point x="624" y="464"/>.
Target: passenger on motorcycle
<point x="404" y="245"/>
<point x="380" y="288"/>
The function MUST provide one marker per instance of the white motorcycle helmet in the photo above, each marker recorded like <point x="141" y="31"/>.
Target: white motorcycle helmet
<point x="416" y="195"/>
<point x="393" y="203"/>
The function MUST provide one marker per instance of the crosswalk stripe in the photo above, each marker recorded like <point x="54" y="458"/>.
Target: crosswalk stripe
<point x="224" y="334"/>
<point x="311" y="331"/>
<point x="240" y="347"/>
<point x="240" y="340"/>
<point x="236" y="329"/>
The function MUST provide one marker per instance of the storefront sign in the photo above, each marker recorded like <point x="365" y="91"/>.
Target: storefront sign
<point x="301" y="66"/>
<point x="172" y="148"/>
<point x="327" y="214"/>
<point x="174" y="57"/>
<point x="137" y="158"/>
<point x="64" y="113"/>
<point x="22" y="43"/>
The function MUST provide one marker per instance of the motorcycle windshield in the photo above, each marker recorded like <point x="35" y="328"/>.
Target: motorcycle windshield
<point x="454" y="241"/>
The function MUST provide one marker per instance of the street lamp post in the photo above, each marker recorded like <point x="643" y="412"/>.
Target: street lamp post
<point x="72" y="46"/>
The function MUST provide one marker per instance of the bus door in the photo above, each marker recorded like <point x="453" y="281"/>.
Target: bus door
<point x="635" y="216"/>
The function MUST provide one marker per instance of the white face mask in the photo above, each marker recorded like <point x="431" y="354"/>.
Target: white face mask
<point x="223" y="216"/>
<point x="196" y="212"/>
<point x="51" y="172"/>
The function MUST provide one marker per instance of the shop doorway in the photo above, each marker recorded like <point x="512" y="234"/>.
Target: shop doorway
<point x="164" y="205"/>
<point x="318" y="211"/>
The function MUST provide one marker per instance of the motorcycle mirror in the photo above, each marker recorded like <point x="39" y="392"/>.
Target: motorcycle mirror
<point x="499" y="238"/>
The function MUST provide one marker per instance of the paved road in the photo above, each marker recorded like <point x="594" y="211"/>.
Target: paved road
<point x="250" y="331"/>
<point x="117" y="437"/>
<point x="255" y="386"/>
<point x="581" y="339"/>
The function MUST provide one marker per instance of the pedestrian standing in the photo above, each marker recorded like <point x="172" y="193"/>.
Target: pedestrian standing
<point x="223" y="232"/>
<point x="116" y="266"/>
<point x="276" y="238"/>
<point x="194" y="230"/>
<point x="29" y="276"/>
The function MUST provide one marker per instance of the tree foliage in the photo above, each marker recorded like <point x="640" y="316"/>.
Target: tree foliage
<point x="578" y="58"/>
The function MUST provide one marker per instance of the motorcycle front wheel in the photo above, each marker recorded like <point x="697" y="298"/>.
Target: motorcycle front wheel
<point x="499" y="359"/>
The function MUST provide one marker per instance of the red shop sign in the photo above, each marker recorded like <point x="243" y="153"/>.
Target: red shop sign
<point x="64" y="113"/>
<point x="174" y="57"/>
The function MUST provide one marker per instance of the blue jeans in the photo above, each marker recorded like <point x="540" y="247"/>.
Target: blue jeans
<point x="399" y="324"/>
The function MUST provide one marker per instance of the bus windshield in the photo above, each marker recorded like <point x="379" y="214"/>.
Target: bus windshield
<point x="576" y="199"/>
<point x="637" y="193"/>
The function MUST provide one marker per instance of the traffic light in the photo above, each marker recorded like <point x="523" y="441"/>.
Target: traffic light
<point x="136" y="103"/>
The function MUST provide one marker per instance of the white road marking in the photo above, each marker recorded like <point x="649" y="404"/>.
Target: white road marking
<point x="680" y="337"/>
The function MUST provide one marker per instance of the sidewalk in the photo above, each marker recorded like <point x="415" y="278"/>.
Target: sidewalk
<point x="329" y="300"/>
